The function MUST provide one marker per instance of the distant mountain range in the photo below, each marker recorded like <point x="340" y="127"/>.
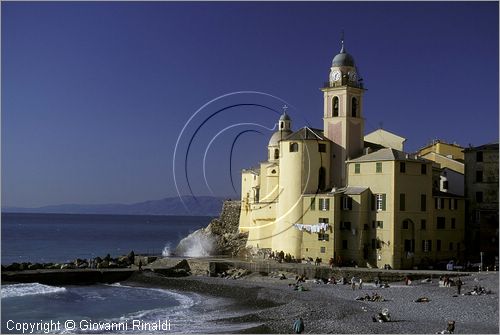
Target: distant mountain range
<point x="199" y="206"/>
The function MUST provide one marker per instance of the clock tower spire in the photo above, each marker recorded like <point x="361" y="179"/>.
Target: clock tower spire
<point x="343" y="113"/>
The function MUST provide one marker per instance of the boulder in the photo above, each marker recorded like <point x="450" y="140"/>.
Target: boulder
<point x="103" y="265"/>
<point x="36" y="266"/>
<point x="14" y="267"/>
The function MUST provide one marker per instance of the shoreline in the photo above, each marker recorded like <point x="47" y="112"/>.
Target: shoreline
<point x="326" y="308"/>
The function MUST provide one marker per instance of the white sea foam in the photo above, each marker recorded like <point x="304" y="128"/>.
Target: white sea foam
<point x="167" y="250"/>
<point x="19" y="290"/>
<point x="197" y="244"/>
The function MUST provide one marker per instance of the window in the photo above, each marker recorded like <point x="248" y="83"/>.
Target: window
<point x="406" y="224"/>
<point x="378" y="168"/>
<point x="438" y="245"/>
<point x="441" y="222"/>
<point x="479" y="176"/>
<point x="402" y="167"/>
<point x="345" y="225"/>
<point x="450" y="247"/>
<point x="321" y="179"/>
<point x="380" y="202"/>
<point x="426" y="245"/>
<point x="324" y="204"/>
<point x="347" y="203"/>
<point x="354" y="107"/>
<point x="323" y="237"/>
<point x="438" y="203"/>
<point x="423" y="224"/>
<point x="294" y="147"/>
<point x="366" y="226"/>
<point x="335" y="104"/>
<point x="479" y="196"/>
<point x="479" y="156"/>
<point x="453" y="223"/>
<point x="313" y="204"/>
<point x="409" y="246"/>
<point x="322" y="250"/>
<point x="380" y="224"/>
<point x="281" y="125"/>
<point x="373" y="224"/>
<point x="324" y="220"/>
<point x="344" y="244"/>
<point x="455" y="204"/>
<point x="357" y="168"/>
<point x="402" y="202"/>
<point x="423" y="202"/>
<point x="276" y="153"/>
<point x="445" y="184"/>
<point x="321" y="147"/>
<point x="423" y="169"/>
<point x="374" y="243"/>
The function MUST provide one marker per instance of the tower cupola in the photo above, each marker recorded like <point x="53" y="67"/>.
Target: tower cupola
<point x="284" y="129"/>
<point x="343" y="70"/>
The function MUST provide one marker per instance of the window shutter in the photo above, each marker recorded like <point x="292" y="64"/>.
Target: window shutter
<point x="373" y="202"/>
<point x="383" y="201"/>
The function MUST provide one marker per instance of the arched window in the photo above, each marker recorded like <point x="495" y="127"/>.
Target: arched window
<point x="294" y="147"/>
<point x="335" y="106"/>
<point x="276" y="153"/>
<point x="321" y="179"/>
<point x="281" y="125"/>
<point x="354" y="107"/>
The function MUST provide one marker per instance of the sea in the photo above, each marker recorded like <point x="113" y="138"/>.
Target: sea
<point x="114" y="308"/>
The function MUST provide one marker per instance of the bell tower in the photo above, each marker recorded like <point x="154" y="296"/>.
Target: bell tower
<point x="343" y="113"/>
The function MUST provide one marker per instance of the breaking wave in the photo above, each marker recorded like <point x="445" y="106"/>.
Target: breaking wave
<point x="197" y="244"/>
<point x="167" y="250"/>
<point x="19" y="290"/>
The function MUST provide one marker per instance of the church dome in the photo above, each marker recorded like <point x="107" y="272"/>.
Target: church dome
<point x="284" y="117"/>
<point x="343" y="58"/>
<point x="278" y="136"/>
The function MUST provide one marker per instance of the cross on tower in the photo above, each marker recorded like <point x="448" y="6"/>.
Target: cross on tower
<point x="285" y="108"/>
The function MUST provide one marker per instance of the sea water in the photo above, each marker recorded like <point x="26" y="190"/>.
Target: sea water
<point x="64" y="237"/>
<point x="95" y="308"/>
<point x="112" y="308"/>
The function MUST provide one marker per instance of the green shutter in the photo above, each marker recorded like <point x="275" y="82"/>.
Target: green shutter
<point x="383" y="201"/>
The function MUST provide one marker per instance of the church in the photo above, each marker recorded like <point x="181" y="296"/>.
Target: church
<point x="336" y="193"/>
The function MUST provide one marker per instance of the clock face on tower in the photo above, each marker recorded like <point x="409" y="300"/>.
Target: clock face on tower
<point x="335" y="75"/>
<point x="353" y="76"/>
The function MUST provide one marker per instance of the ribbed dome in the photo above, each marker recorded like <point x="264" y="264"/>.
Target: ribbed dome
<point x="278" y="136"/>
<point x="284" y="117"/>
<point x="343" y="58"/>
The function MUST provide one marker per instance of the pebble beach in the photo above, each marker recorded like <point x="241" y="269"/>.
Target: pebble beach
<point x="271" y="305"/>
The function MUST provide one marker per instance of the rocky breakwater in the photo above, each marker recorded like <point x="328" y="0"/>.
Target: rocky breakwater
<point x="220" y="237"/>
<point x="106" y="262"/>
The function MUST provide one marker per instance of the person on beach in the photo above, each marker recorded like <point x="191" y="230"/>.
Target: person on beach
<point x="140" y="265"/>
<point x="353" y="283"/>
<point x="459" y="285"/>
<point x="360" y="283"/>
<point x="298" y="326"/>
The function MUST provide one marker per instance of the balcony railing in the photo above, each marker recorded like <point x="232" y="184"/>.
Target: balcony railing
<point x="344" y="82"/>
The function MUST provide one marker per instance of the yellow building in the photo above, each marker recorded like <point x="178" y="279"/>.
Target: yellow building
<point x="336" y="193"/>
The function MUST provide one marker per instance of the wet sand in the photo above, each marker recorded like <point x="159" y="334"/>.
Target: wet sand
<point x="270" y="305"/>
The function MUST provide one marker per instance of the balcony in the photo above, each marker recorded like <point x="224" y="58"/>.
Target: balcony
<point x="344" y="82"/>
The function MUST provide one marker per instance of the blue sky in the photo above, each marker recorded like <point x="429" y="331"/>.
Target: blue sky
<point x="95" y="95"/>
